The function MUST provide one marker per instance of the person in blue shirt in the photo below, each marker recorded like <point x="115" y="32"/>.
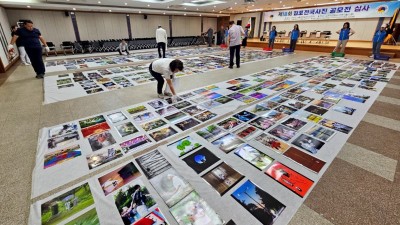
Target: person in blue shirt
<point x="344" y="35"/>
<point x="294" y="36"/>
<point x="377" y="42"/>
<point x="272" y="36"/>
<point x="22" y="53"/>
<point x="31" y="38"/>
<point x="226" y="35"/>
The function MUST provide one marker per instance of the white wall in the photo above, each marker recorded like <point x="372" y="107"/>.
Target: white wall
<point x="209" y="22"/>
<point x="186" y="26"/>
<point x="53" y="25"/>
<point x="236" y="17"/>
<point x="96" y="26"/>
<point x="145" y="28"/>
<point x="364" y="28"/>
<point x="7" y="32"/>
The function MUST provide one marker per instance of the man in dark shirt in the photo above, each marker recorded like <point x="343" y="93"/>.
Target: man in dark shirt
<point x="31" y="38"/>
<point x="22" y="53"/>
<point x="210" y="33"/>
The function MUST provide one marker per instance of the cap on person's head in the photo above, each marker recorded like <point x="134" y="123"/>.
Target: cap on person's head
<point x="159" y="26"/>
<point x="231" y="22"/>
<point x="383" y="26"/>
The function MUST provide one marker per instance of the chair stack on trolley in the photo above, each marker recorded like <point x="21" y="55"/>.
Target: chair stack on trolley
<point x="111" y="45"/>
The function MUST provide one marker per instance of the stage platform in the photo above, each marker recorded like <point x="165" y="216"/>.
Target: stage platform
<point x="353" y="47"/>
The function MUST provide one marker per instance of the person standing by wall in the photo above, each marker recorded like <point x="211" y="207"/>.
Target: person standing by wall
<point x="377" y="41"/>
<point x="344" y="35"/>
<point x="31" y="38"/>
<point x="165" y="68"/>
<point x="294" y="36"/>
<point x="123" y="47"/>
<point x="210" y="33"/>
<point x="222" y="35"/>
<point x="226" y="34"/>
<point x="235" y="34"/>
<point x="246" y="35"/>
<point x="162" y="40"/>
<point x="22" y="53"/>
<point x="272" y="36"/>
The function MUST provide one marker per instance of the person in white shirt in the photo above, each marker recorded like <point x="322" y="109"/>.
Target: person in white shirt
<point x="235" y="33"/>
<point x="166" y="68"/>
<point x="161" y="38"/>
<point x="123" y="47"/>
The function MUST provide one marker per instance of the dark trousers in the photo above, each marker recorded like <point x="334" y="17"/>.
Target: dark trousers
<point x="232" y="51"/>
<point x="120" y="52"/>
<point x="271" y="43"/>
<point x="35" y="55"/>
<point x="161" y="45"/>
<point x="293" y="44"/>
<point x="376" y="48"/>
<point x="158" y="77"/>
<point x="244" y="42"/>
<point x="210" y="41"/>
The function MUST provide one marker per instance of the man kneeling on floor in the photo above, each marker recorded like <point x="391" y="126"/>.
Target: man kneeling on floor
<point x="166" y="68"/>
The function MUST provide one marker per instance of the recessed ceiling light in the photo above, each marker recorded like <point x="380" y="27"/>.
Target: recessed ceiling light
<point x="109" y="10"/>
<point x="99" y="2"/>
<point x="306" y="3"/>
<point x="252" y="5"/>
<point x="126" y="3"/>
<point x="184" y="14"/>
<point x="280" y="1"/>
<point x="73" y="9"/>
<point x="28" y="6"/>
<point x="148" y="5"/>
<point x="184" y="8"/>
<point x="140" y="11"/>
<point x="197" y="9"/>
<point x="235" y="3"/>
<point x="200" y="14"/>
<point x="213" y="10"/>
<point x="164" y="13"/>
<point x="167" y="7"/>
<point x="67" y="0"/>
<point x="231" y="8"/>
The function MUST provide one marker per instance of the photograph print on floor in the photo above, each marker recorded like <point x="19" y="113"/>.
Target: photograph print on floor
<point x="201" y="160"/>
<point x="222" y="178"/>
<point x="259" y="203"/>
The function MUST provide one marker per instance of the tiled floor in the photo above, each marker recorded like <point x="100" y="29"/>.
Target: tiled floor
<point x="360" y="187"/>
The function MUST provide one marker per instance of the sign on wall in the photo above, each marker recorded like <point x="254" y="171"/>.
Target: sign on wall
<point x="364" y="10"/>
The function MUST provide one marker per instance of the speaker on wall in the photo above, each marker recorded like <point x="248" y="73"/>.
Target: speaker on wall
<point x="145" y="16"/>
<point x="66" y="13"/>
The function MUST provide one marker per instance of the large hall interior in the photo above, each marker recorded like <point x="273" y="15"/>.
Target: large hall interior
<point x="199" y="112"/>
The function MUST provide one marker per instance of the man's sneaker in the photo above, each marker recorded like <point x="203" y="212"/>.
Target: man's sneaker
<point x="372" y="56"/>
<point x="40" y="76"/>
<point x="168" y="94"/>
<point x="27" y="64"/>
<point x="162" y="96"/>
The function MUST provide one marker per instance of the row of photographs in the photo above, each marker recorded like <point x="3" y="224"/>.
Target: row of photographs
<point x="92" y="82"/>
<point x="204" y="157"/>
<point x="71" y="64"/>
